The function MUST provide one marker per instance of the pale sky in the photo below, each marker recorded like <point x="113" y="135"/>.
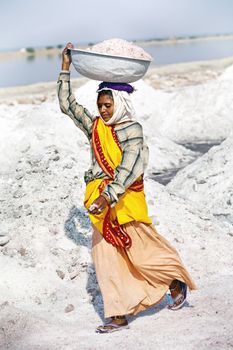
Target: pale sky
<point x="50" y="22"/>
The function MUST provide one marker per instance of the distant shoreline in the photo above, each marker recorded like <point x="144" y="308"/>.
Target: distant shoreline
<point x="8" y="55"/>
<point x="16" y="92"/>
<point x="183" y="40"/>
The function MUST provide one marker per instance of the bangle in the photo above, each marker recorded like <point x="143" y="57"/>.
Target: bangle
<point x="106" y="196"/>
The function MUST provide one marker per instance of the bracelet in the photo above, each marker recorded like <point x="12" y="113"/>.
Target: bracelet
<point x="107" y="197"/>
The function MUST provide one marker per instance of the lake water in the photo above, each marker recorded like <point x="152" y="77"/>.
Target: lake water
<point x="30" y="70"/>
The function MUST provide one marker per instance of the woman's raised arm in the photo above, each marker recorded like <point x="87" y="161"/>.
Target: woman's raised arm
<point x="68" y="104"/>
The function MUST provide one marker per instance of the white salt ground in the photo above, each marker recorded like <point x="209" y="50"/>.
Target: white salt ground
<point x="120" y="47"/>
<point x="44" y="272"/>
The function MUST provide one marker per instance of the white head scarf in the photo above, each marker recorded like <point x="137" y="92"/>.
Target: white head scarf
<point x="123" y="108"/>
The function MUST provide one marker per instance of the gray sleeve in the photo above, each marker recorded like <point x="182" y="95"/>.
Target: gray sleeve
<point x="131" y="166"/>
<point x="68" y="105"/>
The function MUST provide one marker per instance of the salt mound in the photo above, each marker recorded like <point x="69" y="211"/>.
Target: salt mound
<point x="120" y="47"/>
<point x="208" y="181"/>
<point x="227" y="74"/>
<point x="195" y="113"/>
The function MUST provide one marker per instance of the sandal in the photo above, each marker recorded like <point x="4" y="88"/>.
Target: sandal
<point x="180" y="299"/>
<point x="112" y="326"/>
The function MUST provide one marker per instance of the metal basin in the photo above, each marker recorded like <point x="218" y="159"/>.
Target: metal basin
<point x="103" y="67"/>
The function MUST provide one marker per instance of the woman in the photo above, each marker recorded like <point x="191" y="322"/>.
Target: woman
<point x="135" y="266"/>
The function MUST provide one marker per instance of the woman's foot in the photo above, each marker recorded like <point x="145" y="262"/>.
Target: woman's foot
<point x="117" y="323"/>
<point x="178" y="291"/>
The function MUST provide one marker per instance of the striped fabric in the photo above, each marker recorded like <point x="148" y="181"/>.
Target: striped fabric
<point x="130" y="136"/>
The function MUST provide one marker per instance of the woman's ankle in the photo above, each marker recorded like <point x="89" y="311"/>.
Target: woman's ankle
<point x="118" y="319"/>
<point x="175" y="288"/>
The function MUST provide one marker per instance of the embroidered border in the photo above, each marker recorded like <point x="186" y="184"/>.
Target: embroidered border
<point x="103" y="163"/>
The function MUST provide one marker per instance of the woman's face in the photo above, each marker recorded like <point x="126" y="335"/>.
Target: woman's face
<point x="105" y="106"/>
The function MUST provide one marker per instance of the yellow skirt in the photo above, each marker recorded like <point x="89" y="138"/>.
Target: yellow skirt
<point x="134" y="279"/>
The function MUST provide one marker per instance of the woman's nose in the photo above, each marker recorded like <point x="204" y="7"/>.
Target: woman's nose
<point x="102" y="108"/>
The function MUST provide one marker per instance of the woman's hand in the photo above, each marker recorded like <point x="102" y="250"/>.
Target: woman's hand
<point x="98" y="205"/>
<point x="66" y="58"/>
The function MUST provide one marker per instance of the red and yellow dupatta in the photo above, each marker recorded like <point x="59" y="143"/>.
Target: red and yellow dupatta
<point x="131" y="206"/>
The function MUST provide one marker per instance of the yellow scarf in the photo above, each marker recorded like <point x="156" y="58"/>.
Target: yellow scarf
<point x="132" y="204"/>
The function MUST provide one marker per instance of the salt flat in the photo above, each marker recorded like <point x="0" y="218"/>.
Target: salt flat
<point x="49" y="295"/>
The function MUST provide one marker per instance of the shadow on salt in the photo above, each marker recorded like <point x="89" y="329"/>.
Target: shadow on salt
<point x="78" y="228"/>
